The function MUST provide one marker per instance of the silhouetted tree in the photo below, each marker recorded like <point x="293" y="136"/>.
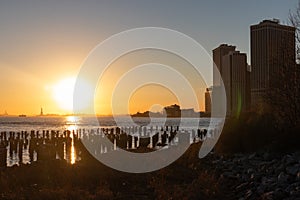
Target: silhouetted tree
<point x="294" y="20"/>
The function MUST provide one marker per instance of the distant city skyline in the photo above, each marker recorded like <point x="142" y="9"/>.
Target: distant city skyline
<point x="44" y="43"/>
<point x="273" y="58"/>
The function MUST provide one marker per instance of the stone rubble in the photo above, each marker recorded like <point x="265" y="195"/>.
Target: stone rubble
<point x="260" y="175"/>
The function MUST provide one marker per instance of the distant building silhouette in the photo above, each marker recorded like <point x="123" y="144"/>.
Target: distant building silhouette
<point x="236" y="77"/>
<point x="172" y="111"/>
<point x="147" y="114"/>
<point x="208" y="100"/>
<point x="218" y="54"/>
<point x="272" y="46"/>
<point x="218" y="107"/>
<point x="189" y="112"/>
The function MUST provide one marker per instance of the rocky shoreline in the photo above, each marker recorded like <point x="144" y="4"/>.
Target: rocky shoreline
<point x="234" y="176"/>
<point x="259" y="175"/>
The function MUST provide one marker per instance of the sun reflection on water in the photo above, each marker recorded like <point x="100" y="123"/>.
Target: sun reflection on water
<point x="72" y="119"/>
<point x="72" y="126"/>
<point x="73" y="153"/>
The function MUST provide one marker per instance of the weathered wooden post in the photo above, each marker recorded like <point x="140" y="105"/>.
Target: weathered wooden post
<point x="3" y="155"/>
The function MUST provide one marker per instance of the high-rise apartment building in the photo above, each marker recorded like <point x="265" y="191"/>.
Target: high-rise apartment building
<point x="218" y="54"/>
<point x="272" y="47"/>
<point x="235" y="74"/>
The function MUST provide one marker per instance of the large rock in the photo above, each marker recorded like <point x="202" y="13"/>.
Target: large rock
<point x="280" y="167"/>
<point x="282" y="177"/>
<point x="290" y="160"/>
<point x="279" y="194"/>
<point x="251" y="156"/>
<point x="248" y="194"/>
<point x="229" y="174"/>
<point x="261" y="189"/>
<point x="268" y="196"/>
<point x="293" y="170"/>
<point x="268" y="181"/>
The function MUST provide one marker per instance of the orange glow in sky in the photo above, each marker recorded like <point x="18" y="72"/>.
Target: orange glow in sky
<point x="43" y="45"/>
<point x="147" y="96"/>
<point x="26" y="92"/>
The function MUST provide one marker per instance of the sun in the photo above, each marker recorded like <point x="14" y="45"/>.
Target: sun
<point x="63" y="93"/>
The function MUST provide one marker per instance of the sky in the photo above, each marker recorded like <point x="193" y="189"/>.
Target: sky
<point x="44" y="43"/>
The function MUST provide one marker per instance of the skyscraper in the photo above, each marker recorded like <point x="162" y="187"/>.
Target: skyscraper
<point x="272" y="47"/>
<point x="218" y="54"/>
<point x="235" y="74"/>
<point x="208" y="100"/>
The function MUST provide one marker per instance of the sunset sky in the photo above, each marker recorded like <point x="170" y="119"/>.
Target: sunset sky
<point x="44" y="43"/>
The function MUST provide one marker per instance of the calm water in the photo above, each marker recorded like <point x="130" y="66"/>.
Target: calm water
<point x="18" y="124"/>
<point x="71" y="122"/>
